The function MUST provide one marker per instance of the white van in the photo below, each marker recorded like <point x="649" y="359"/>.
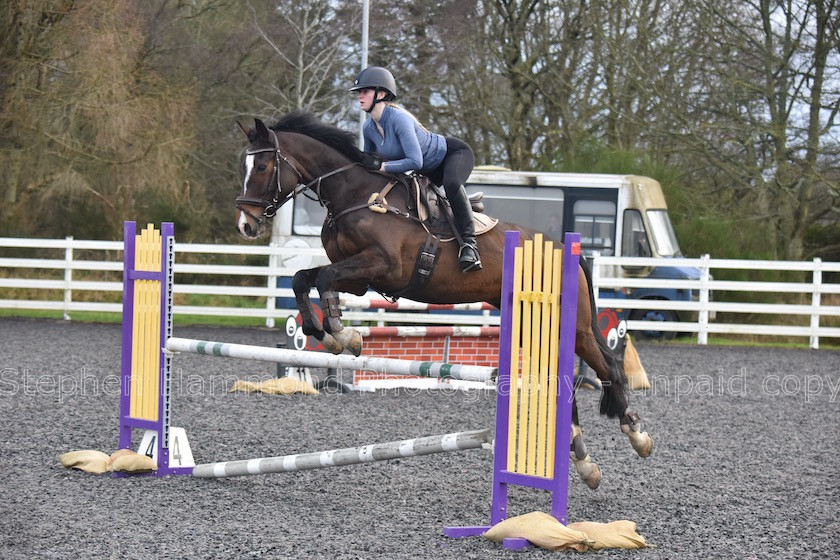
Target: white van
<point x="616" y="215"/>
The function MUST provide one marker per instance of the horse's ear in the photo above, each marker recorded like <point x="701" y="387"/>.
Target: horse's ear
<point x="262" y="130"/>
<point x="245" y="130"/>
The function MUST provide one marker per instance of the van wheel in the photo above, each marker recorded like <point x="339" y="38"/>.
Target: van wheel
<point x="654" y="315"/>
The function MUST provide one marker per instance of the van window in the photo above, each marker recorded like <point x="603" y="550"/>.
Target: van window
<point x="527" y="206"/>
<point x="634" y="242"/>
<point x="308" y="217"/>
<point x="595" y="221"/>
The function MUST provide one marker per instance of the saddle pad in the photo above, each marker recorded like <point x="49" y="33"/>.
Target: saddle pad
<point x="484" y="223"/>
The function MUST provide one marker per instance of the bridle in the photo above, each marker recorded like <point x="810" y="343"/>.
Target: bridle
<point x="270" y="207"/>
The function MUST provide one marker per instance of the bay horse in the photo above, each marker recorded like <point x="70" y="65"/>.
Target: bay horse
<point x="376" y="249"/>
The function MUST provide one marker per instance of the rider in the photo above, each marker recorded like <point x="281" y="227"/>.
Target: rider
<point x="395" y="134"/>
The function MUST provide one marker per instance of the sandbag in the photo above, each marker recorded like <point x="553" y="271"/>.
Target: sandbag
<point x="87" y="460"/>
<point x="616" y="534"/>
<point x="633" y="369"/>
<point x="128" y="461"/>
<point x="542" y="530"/>
<point x="97" y="462"/>
<point x="276" y="386"/>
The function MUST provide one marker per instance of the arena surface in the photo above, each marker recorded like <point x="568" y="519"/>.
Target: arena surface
<point x="745" y="462"/>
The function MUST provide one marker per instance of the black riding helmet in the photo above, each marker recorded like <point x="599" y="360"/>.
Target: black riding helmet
<point x="377" y="78"/>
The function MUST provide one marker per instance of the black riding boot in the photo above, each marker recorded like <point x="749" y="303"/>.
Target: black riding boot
<point x="468" y="255"/>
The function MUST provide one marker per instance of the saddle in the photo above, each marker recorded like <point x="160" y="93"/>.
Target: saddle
<point x="427" y="203"/>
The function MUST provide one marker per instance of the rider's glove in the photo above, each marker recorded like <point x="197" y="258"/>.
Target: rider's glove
<point x="371" y="161"/>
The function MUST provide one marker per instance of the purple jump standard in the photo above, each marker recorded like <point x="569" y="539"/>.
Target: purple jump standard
<point x="145" y="401"/>
<point x="557" y="481"/>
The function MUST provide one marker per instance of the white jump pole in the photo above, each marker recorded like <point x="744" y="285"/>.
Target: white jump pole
<point x="300" y="358"/>
<point x="348" y="456"/>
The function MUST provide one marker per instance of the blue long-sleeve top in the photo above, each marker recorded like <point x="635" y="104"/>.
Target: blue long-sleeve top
<point x="406" y="146"/>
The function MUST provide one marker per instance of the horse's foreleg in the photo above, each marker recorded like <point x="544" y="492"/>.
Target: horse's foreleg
<point x="311" y="324"/>
<point x="352" y="275"/>
<point x="588" y="471"/>
<point x="348" y="338"/>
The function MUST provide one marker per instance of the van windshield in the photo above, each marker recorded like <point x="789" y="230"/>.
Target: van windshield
<point x="663" y="234"/>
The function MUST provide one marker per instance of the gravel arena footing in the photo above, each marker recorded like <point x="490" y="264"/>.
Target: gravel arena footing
<point x="744" y="465"/>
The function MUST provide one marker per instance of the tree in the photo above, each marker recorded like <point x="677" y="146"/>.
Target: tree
<point x="758" y="125"/>
<point x="305" y="56"/>
<point x="127" y="110"/>
<point x="92" y="135"/>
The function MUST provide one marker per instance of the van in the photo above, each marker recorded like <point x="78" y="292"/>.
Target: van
<point x="616" y="215"/>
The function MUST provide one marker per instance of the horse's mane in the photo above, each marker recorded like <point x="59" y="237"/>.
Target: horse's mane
<point x="304" y="122"/>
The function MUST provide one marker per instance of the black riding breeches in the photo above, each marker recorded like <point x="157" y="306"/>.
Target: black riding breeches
<point x="455" y="168"/>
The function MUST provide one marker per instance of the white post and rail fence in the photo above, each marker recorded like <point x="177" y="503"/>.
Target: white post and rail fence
<point x="71" y="275"/>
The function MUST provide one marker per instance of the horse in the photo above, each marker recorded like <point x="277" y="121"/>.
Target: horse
<point x="378" y="250"/>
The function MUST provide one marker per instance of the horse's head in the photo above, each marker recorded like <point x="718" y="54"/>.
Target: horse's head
<point x="269" y="178"/>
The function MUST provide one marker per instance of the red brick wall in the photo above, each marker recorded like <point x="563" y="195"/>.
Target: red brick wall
<point x="465" y="350"/>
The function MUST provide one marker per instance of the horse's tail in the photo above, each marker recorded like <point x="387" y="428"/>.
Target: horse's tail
<point x="614" y="397"/>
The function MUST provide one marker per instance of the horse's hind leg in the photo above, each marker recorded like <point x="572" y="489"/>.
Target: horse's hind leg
<point x="610" y="371"/>
<point x="301" y="284"/>
<point x="591" y="346"/>
<point x="631" y="425"/>
<point x="588" y="471"/>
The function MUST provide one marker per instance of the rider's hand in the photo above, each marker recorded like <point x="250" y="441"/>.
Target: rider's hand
<point x="372" y="162"/>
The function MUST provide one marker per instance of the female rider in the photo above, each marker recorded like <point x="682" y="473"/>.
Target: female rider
<point x="405" y="145"/>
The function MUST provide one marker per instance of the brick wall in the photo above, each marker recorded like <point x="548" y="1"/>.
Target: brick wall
<point x="465" y="350"/>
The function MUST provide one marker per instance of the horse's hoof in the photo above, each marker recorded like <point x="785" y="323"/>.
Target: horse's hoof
<point x="643" y="444"/>
<point x="331" y="344"/>
<point x="351" y="340"/>
<point x="592" y="476"/>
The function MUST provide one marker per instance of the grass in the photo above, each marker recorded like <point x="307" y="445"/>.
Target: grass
<point x="116" y="318"/>
<point x="752" y="341"/>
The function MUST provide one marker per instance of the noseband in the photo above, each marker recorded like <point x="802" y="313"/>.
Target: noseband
<point x="270" y="207"/>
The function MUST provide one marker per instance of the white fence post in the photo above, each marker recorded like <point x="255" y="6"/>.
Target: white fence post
<point x="703" y="315"/>
<point x="270" y="301"/>
<point x="68" y="276"/>
<point x="815" y="303"/>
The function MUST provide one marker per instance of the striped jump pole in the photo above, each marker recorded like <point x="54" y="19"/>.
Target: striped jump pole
<point x="426" y="331"/>
<point x="350" y="456"/>
<point x="299" y="358"/>
<point x="410" y="305"/>
<point x="536" y="376"/>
